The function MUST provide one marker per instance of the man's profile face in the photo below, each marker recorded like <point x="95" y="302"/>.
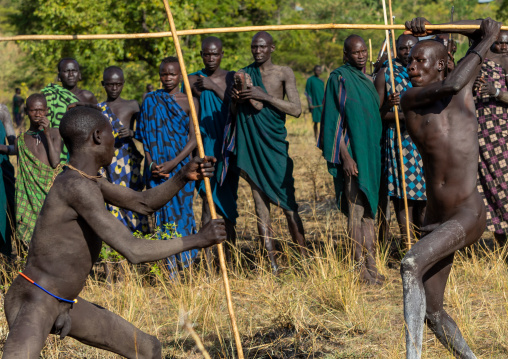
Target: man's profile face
<point x="69" y="73"/>
<point x="356" y="54"/>
<point x="211" y="54"/>
<point x="170" y="74"/>
<point x="261" y="49"/>
<point x="404" y="46"/>
<point x="423" y="67"/>
<point x="113" y="82"/>
<point x="36" y="110"/>
<point x="500" y="46"/>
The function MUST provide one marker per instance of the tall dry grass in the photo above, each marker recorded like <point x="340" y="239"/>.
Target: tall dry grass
<point x="316" y="308"/>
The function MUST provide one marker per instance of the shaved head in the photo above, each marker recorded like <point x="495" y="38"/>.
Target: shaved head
<point x="36" y="97"/>
<point x="112" y="70"/>
<point x="437" y="49"/>
<point x="405" y="37"/>
<point x="211" y="40"/>
<point x="264" y="35"/>
<point x="78" y="124"/>
<point x="350" y="40"/>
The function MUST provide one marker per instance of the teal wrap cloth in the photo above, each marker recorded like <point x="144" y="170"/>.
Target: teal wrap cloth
<point x="351" y="107"/>
<point x="258" y="139"/>
<point x="214" y="114"/>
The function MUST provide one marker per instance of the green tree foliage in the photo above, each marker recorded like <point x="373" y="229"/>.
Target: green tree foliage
<point x="300" y="50"/>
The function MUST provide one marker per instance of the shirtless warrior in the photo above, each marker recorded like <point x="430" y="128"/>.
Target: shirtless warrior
<point x="68" y="238"/>
<point x="440" y="117"/>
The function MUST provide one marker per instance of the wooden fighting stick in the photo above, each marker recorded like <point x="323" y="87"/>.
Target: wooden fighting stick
<point x="208" y="188"/>
<point x="397" y="123"/>
<point x="223" y="30"/>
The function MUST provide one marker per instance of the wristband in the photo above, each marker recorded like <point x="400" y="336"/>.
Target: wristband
<point x="472" y="51"/>
<point x="498" y="91"/>
<point x="150" y="168"/>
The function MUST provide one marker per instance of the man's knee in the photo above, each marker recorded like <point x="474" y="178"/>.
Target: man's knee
<point x="408" y="266"/>
<point x="151" y="348"/>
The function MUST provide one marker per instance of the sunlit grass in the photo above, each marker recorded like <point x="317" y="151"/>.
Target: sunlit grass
<point x="315" y="309"/>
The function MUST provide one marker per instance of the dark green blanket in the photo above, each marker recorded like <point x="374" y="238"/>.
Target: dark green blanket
<point x="351" y="105"/>
<point x="262" y="150"/>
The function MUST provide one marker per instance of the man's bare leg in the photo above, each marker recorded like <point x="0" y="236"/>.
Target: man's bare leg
<point x="30" y="323"/>
<point x="369" y="234"/>
<point x="400" y="212"/>
<point x="296" y="230"/>
<point x="316" y="130"/>
<point x="355" y="226"/>
<point x="500" y="238"/>
<point x="262" y="204"/>
<point x="384" y="213"/>
<point x="100" y="328"/>
<point x="427" y="259"/>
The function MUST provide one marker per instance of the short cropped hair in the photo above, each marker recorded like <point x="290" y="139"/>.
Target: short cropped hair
<point x="169" y="60"/>
<point x="349" y="39"/>
<point x="78" y="123"/>
<point x="36" y="97"/>
<point x="66" y="59"/>
<point x="112" y="68"/>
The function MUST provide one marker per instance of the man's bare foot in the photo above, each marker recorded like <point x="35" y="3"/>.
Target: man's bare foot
<point x="367" y="278"/>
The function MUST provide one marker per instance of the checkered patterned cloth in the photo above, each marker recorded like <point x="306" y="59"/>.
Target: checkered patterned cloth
<point x="32" y="186"/>
<point x="125" y="170"/>
<point x="492" y="137"/>
<point x="413" y="164"/>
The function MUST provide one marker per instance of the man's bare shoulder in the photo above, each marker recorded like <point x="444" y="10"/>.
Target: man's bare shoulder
<point x="75" y="189"/>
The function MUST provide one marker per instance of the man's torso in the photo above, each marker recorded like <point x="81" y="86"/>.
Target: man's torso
<point x="446" y="136"/>
<point x="124" y="110"/>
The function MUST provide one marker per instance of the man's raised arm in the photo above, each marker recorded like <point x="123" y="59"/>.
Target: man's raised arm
<point x="149" y="201"/>
<point x="463" y="75"/>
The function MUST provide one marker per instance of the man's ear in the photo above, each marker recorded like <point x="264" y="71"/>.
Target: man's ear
<point x="441" y="64"/>
<point x="79" y="77"/>
<point x="102" y="83"/>
<point x="272" y="48"/>
<point x="97" y="137"/>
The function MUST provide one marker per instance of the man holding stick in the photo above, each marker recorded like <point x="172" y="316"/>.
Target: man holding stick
<point x="412" y="166"/>
<point x="350" y="138"/>
<point x="68" y="239"/>
<point x="440" y="117"/>
<point x="260" y="142"/>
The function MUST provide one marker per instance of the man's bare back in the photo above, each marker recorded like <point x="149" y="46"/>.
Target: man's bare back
<point x="67" y="240"/>
<point x="440" y="117"/>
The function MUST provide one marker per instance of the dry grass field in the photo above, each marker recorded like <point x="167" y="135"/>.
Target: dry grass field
<point x="316" y="308"/>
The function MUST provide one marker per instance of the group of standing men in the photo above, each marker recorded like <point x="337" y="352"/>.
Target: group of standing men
<point x="246" y="133"/>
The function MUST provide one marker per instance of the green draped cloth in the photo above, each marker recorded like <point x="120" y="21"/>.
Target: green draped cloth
<point x="6" y="199"/>
<point x="32" y="186"/>
<point x="262" y="150"/>
<point x="58" y="98"/>
<point x="315" y="89"/>
<point x="351" y="106"/>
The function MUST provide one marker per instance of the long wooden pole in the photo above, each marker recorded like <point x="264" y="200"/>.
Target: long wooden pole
<point x="153" y="35"/>
<point x="397" y="123"/>
<point x="208" y="188"/>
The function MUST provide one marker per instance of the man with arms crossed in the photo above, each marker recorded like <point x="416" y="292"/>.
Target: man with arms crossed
<point x="441" y="120"/>
<point x="260" y="145"/>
